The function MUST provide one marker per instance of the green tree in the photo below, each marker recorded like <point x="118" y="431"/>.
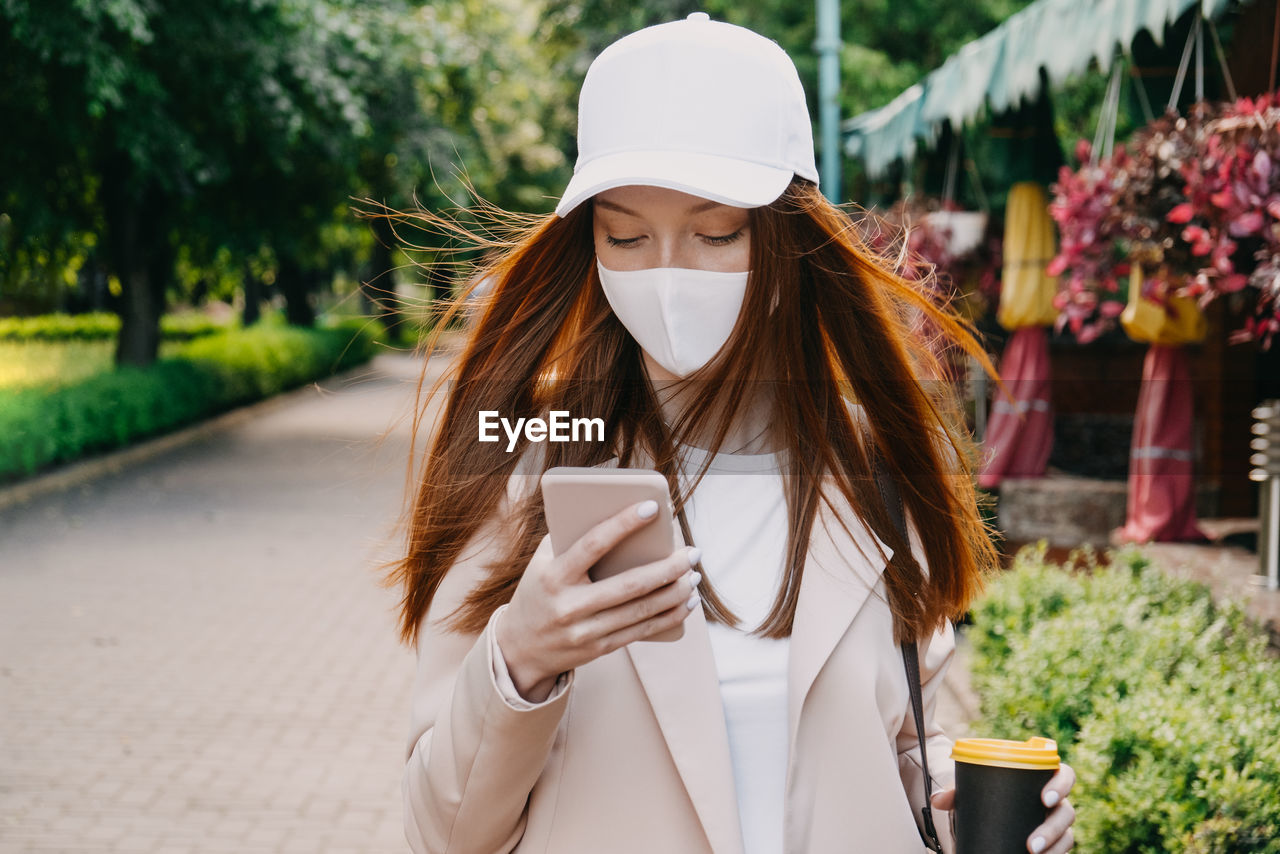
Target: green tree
<point x="232" y="122"/>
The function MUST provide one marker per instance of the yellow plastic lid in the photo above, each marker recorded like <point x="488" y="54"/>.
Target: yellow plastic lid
<point x="1035" y="753"/>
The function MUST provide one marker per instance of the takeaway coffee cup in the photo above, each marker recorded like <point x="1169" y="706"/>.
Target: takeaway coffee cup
<point x="998" y="789"/>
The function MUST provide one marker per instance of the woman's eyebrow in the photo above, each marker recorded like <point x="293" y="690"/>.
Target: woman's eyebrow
<point x="697" y="208"/>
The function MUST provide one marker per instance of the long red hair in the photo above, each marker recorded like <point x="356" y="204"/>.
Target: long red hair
<point x="825" y="321"/>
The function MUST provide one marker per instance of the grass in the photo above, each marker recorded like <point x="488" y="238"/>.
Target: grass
<point x="53" y="364"/>
<point x="72" y="402"/>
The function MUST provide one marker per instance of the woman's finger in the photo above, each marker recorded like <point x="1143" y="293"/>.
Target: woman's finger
<point x="1055" y="827"/>
<point x="1059" y="786"/>
<point x="1066" y="843"/>
<point x="603" y="536"/>
<point x="944" y="800"/>
<point x="652" y="626"/>
<point x="681" y="592"/>
<point x="638" y="581"/>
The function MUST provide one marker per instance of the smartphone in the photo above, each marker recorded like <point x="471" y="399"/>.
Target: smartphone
<point x="577" y="499"/>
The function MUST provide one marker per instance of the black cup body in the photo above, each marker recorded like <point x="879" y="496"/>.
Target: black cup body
<point x="996" y="808"/>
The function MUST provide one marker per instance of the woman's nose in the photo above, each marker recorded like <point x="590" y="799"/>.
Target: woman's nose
<point x="673" y="253"/>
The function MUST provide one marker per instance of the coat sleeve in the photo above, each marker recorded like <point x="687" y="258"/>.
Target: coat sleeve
<point x="473" y="755"/>
<point x="936" y="654"/>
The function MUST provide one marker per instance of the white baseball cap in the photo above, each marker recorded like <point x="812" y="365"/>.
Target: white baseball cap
<point x="701" y="106"/>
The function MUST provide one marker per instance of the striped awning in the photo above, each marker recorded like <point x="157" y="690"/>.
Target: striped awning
<point x="1002" y="67"/>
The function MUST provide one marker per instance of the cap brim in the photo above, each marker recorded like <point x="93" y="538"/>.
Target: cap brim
<point x="721" y="179"/>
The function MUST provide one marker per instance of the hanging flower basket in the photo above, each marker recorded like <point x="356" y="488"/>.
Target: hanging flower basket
<point x="1231" y="219"/>
<point x="963" y="230"/>
<point x="1091" y="261"/>
<point x="1193" y="202"/>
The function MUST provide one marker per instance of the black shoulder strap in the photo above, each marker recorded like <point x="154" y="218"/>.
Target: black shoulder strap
<point x="911" y="660"/>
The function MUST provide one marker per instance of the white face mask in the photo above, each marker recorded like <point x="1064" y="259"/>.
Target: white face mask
<point x="680" y="317"/>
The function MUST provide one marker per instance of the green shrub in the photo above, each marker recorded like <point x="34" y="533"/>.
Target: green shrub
<point x="189" y="325"/>
<point x="1166" y="703"/>
<point x="1170" y="768"/>
<point x="1017" y="600"/>
<point x="208" y="375"/>
<point x="96" y="326"/>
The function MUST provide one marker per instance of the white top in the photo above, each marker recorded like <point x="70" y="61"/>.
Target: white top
<point x="738" y="517"/>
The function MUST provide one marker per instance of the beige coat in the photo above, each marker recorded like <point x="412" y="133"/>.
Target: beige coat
<point x="634" y="757"/>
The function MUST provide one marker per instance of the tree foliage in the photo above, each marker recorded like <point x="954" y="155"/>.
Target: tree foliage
<point x="228" y="138"/>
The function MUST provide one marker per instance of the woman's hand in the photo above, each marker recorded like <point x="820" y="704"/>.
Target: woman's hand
<point x="1052" y="837"/>
<point x="559" y="619"/>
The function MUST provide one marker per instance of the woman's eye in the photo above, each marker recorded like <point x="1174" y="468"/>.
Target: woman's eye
<point x="714" y="240"/>
<point x="724" y="239"/>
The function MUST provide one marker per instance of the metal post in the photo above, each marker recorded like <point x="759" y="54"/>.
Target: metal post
<point x="979" y="388"/>
<point x="1272" y="568"/>
<point x="1265" y="462"/>
<point x="828" y="47"/>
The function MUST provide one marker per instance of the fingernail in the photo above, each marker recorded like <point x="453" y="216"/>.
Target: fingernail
<point x="694" y="579"/>
<point x="1051" y="797"/>
<point x="693" y="602"/>
<point x="647" y="509"/>
<point x="695" y="555"/>
<point x="1037" y="844"/>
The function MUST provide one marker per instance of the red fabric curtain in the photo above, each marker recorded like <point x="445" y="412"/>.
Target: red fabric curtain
<point x="1162" y="496"/>
<point x="1020" y="431"/>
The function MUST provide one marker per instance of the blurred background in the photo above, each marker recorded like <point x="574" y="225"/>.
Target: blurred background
<point x="208" y="371"/>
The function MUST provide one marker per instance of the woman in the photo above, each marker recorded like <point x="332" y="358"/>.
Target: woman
<point x="696" y="293"/>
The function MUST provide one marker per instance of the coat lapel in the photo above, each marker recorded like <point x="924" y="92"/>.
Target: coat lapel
<point x="683" y="687"/>
<point x="684" y="690"/>
<point x="841" y="570"/>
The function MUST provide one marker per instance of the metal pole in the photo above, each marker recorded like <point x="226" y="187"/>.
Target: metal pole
<point x="828" y="48"/>
<point x="1266" y="473"/>
<point x="1273" y="526"/>
<point x="979" y="398"/>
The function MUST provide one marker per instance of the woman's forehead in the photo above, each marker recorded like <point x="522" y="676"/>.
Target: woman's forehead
<point x="638" y="200"/>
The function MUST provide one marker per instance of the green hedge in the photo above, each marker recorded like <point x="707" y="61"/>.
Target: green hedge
<point x="42" y="427"/>
<point x="1165" y="703"/>
<point x="95" y="326"/>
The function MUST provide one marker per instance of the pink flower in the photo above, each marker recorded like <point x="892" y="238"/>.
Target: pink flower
<point x="1234" y="282"/>
<point x="1222" y="199"/>
<point x="1262" y="166"/>
<point x="1198" y="238"/>
<point x="1245" y="224"/>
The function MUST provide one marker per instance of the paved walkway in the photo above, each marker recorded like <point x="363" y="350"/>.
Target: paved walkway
<point x="194" y="654"/>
